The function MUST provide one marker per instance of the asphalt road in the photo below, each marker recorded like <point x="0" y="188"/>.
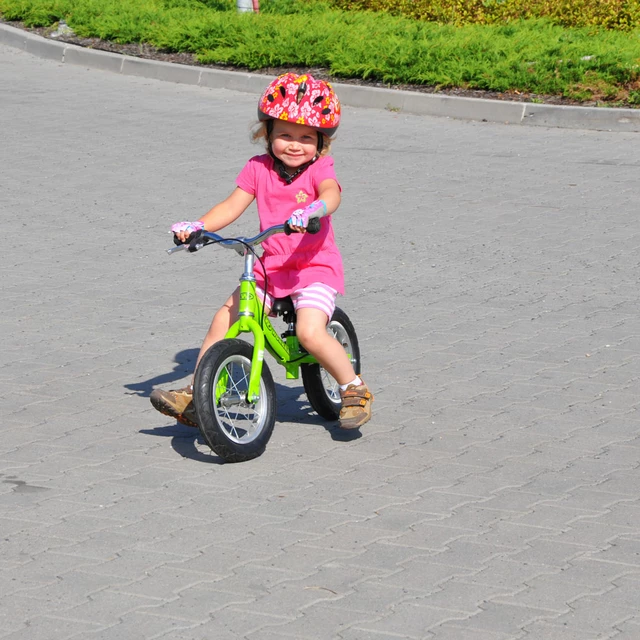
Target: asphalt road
<point x="492" y="275"/>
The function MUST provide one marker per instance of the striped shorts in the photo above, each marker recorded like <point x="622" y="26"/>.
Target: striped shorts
<point x="315" y="296"/>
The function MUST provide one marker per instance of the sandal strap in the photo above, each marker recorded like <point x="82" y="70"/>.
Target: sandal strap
<point x="354" y="397"/>
<point x="356" y="402"/>
<point x="356" y="406"/>
<point x="355" y="392"/>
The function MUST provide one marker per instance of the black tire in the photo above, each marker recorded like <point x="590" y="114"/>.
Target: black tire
<point x="321" y="388"/>
<point x="235" y="430"/>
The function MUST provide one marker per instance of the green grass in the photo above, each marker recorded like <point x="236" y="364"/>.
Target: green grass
<point x="533" y="56"/>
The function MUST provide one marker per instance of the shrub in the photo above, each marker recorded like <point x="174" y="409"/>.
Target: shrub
<point x="533" y="56"/>
<point x="611" y="14"/>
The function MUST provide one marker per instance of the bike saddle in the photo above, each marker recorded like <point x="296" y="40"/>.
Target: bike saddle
<point x="282" y="306"/>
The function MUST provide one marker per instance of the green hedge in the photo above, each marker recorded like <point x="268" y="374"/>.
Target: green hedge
<point x="611" y="14"/>
<point x="531" y="56"/>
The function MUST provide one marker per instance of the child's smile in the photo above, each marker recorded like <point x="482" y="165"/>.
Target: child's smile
<point x="293" y="144"/>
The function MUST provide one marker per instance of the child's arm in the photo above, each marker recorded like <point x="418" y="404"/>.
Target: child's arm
<point x="329" y="193"/>
<point x="227" y="211"/>
<point x="223" y="214"/>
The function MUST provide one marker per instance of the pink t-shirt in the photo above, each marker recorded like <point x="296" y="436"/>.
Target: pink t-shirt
<point x="296" y="261"/>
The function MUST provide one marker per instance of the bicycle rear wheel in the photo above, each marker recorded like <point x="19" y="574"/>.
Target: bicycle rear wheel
<point x="234" y="428"/>
<point x="322" y="389"/>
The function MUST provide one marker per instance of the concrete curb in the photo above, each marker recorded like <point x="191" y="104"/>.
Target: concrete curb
<point x="524" y="113"/>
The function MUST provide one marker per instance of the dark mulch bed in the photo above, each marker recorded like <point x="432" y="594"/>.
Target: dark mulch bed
<point x="151" y="53"/>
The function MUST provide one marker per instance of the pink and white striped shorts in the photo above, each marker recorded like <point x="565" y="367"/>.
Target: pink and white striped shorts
<point x="315" y="296"/>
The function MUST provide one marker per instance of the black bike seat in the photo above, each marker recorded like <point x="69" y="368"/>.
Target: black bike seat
<point x="282" y="305"/>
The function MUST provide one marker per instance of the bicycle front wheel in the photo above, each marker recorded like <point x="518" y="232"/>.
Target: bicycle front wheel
<point x="234" y="428"/>
<point x="322" y="389"/>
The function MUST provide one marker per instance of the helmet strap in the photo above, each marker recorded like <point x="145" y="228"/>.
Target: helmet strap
<point x="278" y="165"/>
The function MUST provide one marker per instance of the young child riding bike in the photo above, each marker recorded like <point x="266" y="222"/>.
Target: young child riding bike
<point x="293" y="181"/>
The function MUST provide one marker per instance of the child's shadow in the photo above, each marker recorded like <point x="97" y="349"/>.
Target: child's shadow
<point x="185" y="362"/>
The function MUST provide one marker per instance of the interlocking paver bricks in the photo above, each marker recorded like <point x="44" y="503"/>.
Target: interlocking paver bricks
<point x="550" y="631"/>
<point x="449" y="631"/>
<point x="588" y="618"/>
<point x="505" y="618"/>
<point x="414" y="619"/>
<point x="491" y="279"/>
<point x="129" y="625"/>
<point x="626" y="630"/>
<point x="555" y="593"/>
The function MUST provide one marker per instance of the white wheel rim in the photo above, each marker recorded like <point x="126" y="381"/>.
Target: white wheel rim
<point x="242" y="423"/>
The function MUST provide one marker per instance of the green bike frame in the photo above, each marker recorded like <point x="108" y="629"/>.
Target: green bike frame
<point x="286" y="351"/>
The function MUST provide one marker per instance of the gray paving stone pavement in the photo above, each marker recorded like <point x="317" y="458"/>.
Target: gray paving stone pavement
<point x="493" y="280"/>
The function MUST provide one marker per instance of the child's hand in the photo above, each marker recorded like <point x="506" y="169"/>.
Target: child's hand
<point x="182" y="230"/>
<point x="299" y="219"/>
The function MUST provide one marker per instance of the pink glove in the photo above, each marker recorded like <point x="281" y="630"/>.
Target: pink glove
<point x="187" y="227"/>
<point x="300" y="217"/>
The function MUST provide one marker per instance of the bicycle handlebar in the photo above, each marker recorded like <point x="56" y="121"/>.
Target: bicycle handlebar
<point x="238" y="243"/>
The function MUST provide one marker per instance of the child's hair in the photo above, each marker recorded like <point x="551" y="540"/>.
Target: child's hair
<point x="260" y="133"/>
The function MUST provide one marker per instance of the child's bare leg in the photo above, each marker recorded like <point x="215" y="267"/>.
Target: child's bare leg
<point x="222" y="321"/>
<point x="179" y="403"/>
<point x="224" y="318"/>
<point x="356" y="398"/>
<point x="311" y="328"/>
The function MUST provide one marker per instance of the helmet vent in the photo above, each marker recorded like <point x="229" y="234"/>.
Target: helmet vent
<point x="302" y="99"/>
<point x="301" y="91"/>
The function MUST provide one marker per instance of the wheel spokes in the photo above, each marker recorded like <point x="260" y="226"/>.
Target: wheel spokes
<point x="239" y="419"/>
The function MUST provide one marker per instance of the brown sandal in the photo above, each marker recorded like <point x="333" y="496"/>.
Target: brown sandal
<point x="356" y="406"/>
<point x="177" y="404"/>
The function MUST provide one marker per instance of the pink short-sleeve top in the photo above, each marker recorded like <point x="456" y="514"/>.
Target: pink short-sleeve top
<point x="296" y="261"/>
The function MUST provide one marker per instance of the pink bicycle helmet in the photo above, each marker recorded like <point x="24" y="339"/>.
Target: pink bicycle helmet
<point x="303" y="100"/>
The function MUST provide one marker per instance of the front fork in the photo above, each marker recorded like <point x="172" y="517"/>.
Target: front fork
<point x="245" y="325"/>
<point x="281" y="350"/>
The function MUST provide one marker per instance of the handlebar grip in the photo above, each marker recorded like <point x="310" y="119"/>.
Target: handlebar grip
<point x="196" y="241"/>
<point x="193" y="242"/>
<point x="313" y="226"/>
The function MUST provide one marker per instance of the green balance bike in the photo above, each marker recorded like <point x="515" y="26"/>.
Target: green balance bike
<point x="233" y="391"/>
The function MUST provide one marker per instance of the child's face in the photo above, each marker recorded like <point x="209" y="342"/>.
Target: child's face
<point x="293" y="144"/>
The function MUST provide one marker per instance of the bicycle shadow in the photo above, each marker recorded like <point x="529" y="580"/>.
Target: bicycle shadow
<point x="292" y="407"/>
<point x="185" y="441"/>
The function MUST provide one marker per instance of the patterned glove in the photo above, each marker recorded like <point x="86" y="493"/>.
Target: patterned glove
<point x="187" y="227"/>
<point x="300" y="217"/>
